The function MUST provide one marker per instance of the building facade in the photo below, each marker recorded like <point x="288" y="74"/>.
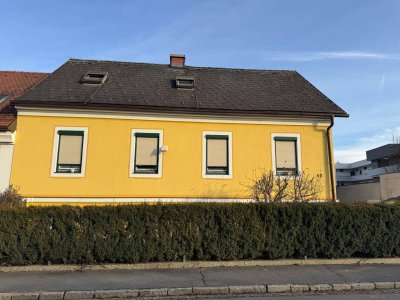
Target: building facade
<point x="98" y="132"/>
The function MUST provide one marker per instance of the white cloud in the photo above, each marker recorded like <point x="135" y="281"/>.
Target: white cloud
<point x="324" y="55"/>
<point x="381" y="85"/>
<point x="357" y="152"/>
<point x="350" y="155"/>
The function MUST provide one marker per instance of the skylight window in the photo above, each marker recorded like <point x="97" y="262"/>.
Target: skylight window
<point x="94" y="77"/>
<point x="185" y="82"/>
<point x="3" y="97"/>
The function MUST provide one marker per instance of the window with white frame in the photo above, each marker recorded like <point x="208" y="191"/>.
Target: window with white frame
<point x="286" y="154"/>
<point x="69" y="151"/>
<point x="145" y="153"/>
<point x="217" y="155"/>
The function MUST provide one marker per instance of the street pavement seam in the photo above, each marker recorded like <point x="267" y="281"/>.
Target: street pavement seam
<point x="200" y="291"/>
<point x="329" y="268"/>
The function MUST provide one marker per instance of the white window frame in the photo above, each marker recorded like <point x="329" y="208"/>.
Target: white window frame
<point x="56" y="144"/>
<point x="204" y="159"/>
<point x="298" y="146"/>
<point x="133" y="153"/>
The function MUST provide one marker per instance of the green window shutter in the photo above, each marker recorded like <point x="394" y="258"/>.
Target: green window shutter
<point x="217" y="162"/>
<point x="147" y="150"/>
<point x="217" y="137"/>
<point x="70" y="132"/>
<point x="142" y="134"/>
<point x="70" y="150"/>
<point x="285" y="138"/>
<point x="286" y="160"/>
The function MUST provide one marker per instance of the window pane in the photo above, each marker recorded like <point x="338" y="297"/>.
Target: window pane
<point x="285" y="154"/>
<point x="70" y="149"/>
<point x="217" y="152"/>
<point x="146" y="151"/>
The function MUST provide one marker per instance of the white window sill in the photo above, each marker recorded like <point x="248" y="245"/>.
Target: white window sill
<point x="67" y="175"/>
<point x="216" y="176"/>
<point x="137" y="175"/>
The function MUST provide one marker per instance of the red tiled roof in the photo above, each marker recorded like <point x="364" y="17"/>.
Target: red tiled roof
<point x="14" y="84"/>
<point x="6" y="120"/>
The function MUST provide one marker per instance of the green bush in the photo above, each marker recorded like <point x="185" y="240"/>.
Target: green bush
<point x="143" y="233"/>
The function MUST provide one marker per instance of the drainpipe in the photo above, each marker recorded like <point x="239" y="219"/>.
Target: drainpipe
<point x="331" y="166"/>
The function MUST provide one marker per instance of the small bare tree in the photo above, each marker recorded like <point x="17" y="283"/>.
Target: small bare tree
<point x="304" y="187"/>
<point x="268" y="187"/>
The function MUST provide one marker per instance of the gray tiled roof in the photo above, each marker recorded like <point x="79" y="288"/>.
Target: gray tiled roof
<point x="151" y="86"/>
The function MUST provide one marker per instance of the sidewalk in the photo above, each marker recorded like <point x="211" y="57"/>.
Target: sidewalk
<point x="21" y="282"/>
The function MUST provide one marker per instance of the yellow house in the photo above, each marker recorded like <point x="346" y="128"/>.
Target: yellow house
<point x="104" y="132"/>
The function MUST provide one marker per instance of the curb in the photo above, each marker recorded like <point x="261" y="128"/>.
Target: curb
<point x="202" y="291"/>
<point x="202" y="264"/>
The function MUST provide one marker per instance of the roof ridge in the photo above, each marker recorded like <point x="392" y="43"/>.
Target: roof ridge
<point x="24" y="72"/>
<point x="186" y="66"/>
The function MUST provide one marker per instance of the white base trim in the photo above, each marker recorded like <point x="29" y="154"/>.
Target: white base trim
<point x="174" y="117"/>
<point x="147" y="200"/>
<point x="136" y="200"/>
<point x="7" y="137"/>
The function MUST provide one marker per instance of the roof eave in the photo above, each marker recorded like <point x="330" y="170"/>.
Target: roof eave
<point x="119" y="107"/>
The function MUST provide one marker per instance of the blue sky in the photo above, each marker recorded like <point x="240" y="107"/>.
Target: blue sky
<point x="350" y="50"/>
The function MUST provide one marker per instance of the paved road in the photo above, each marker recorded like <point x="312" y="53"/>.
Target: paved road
<point x="141" y="279"/>
<point x="361" y="296"/>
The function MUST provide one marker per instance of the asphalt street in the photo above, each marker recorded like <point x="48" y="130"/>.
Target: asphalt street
<point x="228" y="276"/>
<point x="361" y="296"/>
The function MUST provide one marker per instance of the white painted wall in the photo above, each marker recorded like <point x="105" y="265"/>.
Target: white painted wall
<point x="6" y="153"/>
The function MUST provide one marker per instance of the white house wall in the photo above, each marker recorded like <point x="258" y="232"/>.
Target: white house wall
<point x="6" y="154"/>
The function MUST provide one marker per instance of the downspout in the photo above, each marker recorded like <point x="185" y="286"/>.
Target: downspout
<point x="331" y="166"/>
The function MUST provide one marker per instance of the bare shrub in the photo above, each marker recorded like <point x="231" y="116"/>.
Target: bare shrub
<point x="304" y="187"/>
<point x="265" y="186"/>
<point x="11" y="198"/>
<point x="261" y="187"/>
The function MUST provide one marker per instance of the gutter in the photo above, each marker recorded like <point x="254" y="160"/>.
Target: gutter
<point x="331" y="166"/>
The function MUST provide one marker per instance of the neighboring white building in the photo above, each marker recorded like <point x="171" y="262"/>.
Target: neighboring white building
<point x="371" y="179"/>
<point x="379" y="161"/>
<point x="6" y="152"/>
<point x="358" y="172"/>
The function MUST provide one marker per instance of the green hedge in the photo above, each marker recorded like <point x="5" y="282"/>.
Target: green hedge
<point x="145" y="233"/>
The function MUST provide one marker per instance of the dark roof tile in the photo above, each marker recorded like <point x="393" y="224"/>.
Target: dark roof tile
<point x="151" y="86"/>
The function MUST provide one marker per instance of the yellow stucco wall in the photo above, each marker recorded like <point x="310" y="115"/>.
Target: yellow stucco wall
<point x="108" y="158"/>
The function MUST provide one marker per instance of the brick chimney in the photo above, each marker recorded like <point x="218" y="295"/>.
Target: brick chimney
<point x="177" y="60"/>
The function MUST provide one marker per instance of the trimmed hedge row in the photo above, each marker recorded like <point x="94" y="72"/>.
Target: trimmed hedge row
<point x="145" y="233"/>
